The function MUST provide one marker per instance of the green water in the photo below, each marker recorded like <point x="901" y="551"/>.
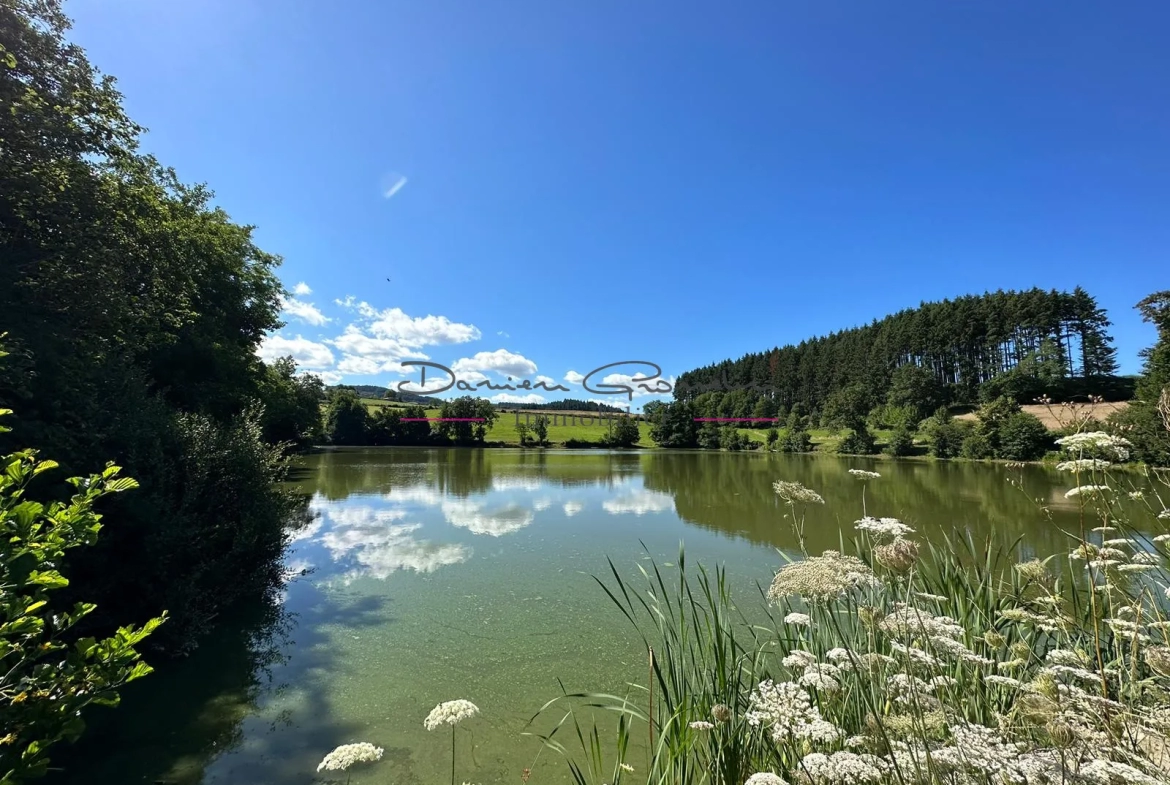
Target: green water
<point x="443" y="574"/>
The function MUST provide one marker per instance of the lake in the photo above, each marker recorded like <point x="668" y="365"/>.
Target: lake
<point x="435" y="574"/>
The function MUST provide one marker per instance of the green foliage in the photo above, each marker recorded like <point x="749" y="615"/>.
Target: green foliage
<point x="1144" y="426"/>
<point x="467" y="407"/>
<point x="1022" y="437"/>
<point x="47" y="674"/>
<point x="709" y="436"/>
<point x="137" y="310"/>
<point x="1014" y="385"/>
<point x="961" y="343"/>
<point x="730" y="438"/>
<point x="794" y="440"/>
<point x="847" y="408"/>
<point x="977" y="445"/>
<point x="540" y="430"/>
<point x="523" y="432"/>
<point x="901" y="442"/>
<point x="772" y="437"/>
<point x="673" y="425"/>
<point x="858" y="442"/>
<point x="916" y="388"/>
<point x="1155" y="309"/>
<point x="944" y="434"/>
<point x="345" y="418"/>
<point x="622" y="432"/>
<point x="890" y="416"/>
<point x="292" y="404"/>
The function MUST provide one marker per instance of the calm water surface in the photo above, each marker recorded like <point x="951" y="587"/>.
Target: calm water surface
<point x="438" y="574"/>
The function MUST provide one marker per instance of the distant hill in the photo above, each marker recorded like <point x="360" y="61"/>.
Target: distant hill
<point x="374" y="391"/>
<point x="568" y="404"/>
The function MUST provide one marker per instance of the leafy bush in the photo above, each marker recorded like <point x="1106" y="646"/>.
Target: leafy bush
<point x="732" y="439"/>
<point x="794" y="440"/>
<point x="977" y="446"/>
<point x="772" y="436"/>
<point x="622" y="432"/>
<point x="47" y="675"/>
<point x="1022" y="437"/>
<point x="1142" y="424"/>
<point x="345" y="418"/>
<point x="858" y="442"/>
<point x="901" y="443"/>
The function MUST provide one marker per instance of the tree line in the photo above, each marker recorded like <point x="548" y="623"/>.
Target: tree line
<point x="1044" y="342"/>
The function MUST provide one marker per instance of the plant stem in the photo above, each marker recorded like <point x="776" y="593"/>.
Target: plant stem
<point x="452" y="755"/>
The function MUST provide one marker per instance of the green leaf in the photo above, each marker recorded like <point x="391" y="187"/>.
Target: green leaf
<point x="36" y="606"/>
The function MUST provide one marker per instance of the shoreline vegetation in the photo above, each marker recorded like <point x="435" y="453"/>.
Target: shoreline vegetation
<point x="888" y="661"/>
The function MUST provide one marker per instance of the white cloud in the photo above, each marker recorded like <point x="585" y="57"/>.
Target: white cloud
<point x="308" y="354"/>
<point x="496" y="523"/>
<point x="540" y="505"/>
<point x="302" y="289"/>
<point x="392" y="184"/>
<point x="615" y="401"/>
<point x="632" y="382"/>
<point x="639" y="503"/>
<point x="429" y="330"/>
<point x="306" y="312"/>
<point x="509" y="398"/>
<point x="514" y="482"/>
<point x="328" y="377"/>
<point x="572" y="377"/>
<point x="381" y="547"/>
<point x="548" y="380"/>
<point x="501" y="361"/>
<point x="504" y="334"/>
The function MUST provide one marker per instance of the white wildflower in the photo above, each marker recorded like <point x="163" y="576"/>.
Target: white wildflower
<point x="1065" y="657"/>
<point x="795" y="493"/>
<point x="883" y="527"/>
<point x="702" y="725"/>
<point x="1164" y="515"/>
<point x="349" y="755"/>
<point x="798" y="658"/>
<point x="862" y="474"/>
<point x="765" y="778"/>
<point x="1115" y="543"/>
<point x="1086" y="490"/>
<point x="1137" y="496"/>
<point x="1002" y="681"/>
<point x="1083" y="465"/>
<point x="1136" y="567"/>
<point x="914" y="653"/>
<point x="787" y="710"/>
<point x="822" y="678"/>
<point x="1103" y="529"/>
<point x="626" y="767"/>
<point x="821" y="578"/>
<point x="932" y="597"/>
<point x="450" y="713"/>
<point x="1104" y="442"/>
<point x="843" y="768"/>
<point x="837" y="655"/>
<point x="799" y="619"/>
<point x="1109" y="771"/>
<point x="1162" y="538"/>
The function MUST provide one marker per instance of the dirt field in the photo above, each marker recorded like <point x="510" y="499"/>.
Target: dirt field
<point x="1058" y="415"/>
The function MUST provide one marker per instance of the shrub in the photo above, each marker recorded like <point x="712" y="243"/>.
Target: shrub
<point x="858" y="442"/>
<point x="622" y="431"/>
<point x="901" y="443"/>
<point x="794" y="440"/>
<point x="732" y="439"/>
<point x="1143" y="426"/>
<point x="771" y="438"/>
<point x="345" y="418"/>
<point x="977" y="446"/>
<point x="47" y="675"/>
<point x="1022" y="437"/>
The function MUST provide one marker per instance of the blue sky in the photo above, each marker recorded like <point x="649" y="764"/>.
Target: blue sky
<point x="580" y="183"/>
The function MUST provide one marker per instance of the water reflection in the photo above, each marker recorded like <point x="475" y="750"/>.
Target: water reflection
<point x="434" y="570"/>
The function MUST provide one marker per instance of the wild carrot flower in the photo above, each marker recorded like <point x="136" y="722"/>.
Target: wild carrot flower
<point x="795" y="493"/>
<point x="450" y="713"/>
<point x="721" y="712"/>
<point x="798" y="619"/>
<point x="1086" y="490"/>
<point x="626" y="767"/>
<point x="702" y="725"/>
<point x="821" y="578"/>
<point x="350" y="755"/>
<point x="883" y="527"/>
<point x="898" y="556"/>
<point x="1083" y="465"/>
<point x="843" y="768"/>
<point x="862" y="474"/>
<point x="1077" y="443"/>
<point x="765" y="778"/>
<point x="787" y="711"/>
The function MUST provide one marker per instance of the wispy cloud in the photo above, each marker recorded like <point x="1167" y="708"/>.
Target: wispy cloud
<point x="509" y="398"/>
<point x="504" y="334"/>
<point x="301" y="289"/>
<point x="308" y="354"/>
<point x="392" y="184"/>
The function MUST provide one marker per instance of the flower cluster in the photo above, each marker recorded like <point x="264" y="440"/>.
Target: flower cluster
<point x="450" y="713"/>
<point x="883" y="527"/>
<point x="1096" y="441"/>
<point x="822" y="578"/>
<point x="795" y="493"/>
<point x="348" y="755"/>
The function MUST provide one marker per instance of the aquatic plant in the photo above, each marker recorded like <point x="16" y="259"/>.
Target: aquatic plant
<point x="898" y="661"/>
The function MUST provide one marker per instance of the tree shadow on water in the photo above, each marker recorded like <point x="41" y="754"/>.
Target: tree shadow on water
<point x="251" y="705"/>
